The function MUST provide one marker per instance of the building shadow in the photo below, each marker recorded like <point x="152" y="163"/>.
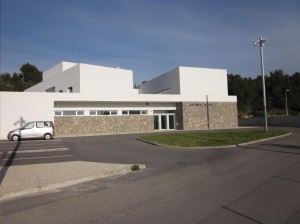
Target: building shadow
<point x="288" y="150"/>
<point x="9" y="162"/>
<point x="285" y="146"/>
<point x="21" y="122"/>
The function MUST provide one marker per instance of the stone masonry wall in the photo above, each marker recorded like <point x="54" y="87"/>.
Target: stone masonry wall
<point x="179" y="116"/>
<point x="191" y="116"/>
<point x="72" y="125"/>
<point x="196" y="115"/>
<point x="223" y="115"/>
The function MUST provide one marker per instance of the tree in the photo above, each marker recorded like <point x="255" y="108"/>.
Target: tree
<point x="294" y="94"/>
<point x="276" y="84"/>
<point x="246" y="92"/>
<point x="249" y="92"/>
<point x="28" y="77"/>
<point x="5" y="82"/>
<point x="30" y="74"/>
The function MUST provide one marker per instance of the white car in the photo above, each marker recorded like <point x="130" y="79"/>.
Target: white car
<point x="34" y="129"/>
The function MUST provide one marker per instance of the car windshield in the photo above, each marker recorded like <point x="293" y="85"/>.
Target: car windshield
<point x="24" y="125"/>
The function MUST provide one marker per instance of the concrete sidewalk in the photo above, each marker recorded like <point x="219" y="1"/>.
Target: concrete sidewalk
<point x="29" y="179"/>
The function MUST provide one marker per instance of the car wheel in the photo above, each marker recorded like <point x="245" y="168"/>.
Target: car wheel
<point x="15" y="137"/>
<point x="47" y="136"/>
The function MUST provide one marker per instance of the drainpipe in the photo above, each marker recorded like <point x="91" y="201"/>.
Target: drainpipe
<point x="207" y="111"/>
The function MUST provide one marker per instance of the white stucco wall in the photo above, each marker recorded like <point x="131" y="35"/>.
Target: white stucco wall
<point x="61" y="81"/>
<point x="144" y="98"/>
<point x="203" y="81"/>
<point x="85" y="78"/>
<point x="168" y="81"/>
<point x="100" y="79"/>
<point x="57" y="69"/>
<point x="17" y="108"/>
<point x="189" y="81"/>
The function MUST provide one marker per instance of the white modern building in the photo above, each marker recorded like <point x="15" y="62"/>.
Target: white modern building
<point x="84" y="78"/>
<point x="89" y="99"/>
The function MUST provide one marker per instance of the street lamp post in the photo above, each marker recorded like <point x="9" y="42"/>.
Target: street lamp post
<point x="262" y="42"/>
<point x="286" y="105"/>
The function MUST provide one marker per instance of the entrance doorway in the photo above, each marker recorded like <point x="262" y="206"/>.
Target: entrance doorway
<point x="164" y="121"/>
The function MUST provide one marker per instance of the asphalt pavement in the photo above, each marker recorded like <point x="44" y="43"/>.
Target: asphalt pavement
<point x="23" y="174"/>
<point x="257" y="183"/>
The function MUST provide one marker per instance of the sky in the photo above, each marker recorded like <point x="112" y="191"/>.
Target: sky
<point x="151" y="37"/>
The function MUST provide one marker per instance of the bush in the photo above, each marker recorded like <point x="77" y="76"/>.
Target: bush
<point x="135" y="167"/>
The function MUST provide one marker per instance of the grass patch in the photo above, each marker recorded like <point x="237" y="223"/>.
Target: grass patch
<point x="210" y="139"/>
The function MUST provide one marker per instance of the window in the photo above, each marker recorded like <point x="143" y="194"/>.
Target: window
<point x="69" y="113"/>
<point x="40" y="124"/>
<point x="164" y="112"/>
<point x="58" y="113"/>
<point x="103" y="112"/>
<point x="93" y="112"/>
<point x="48" y="124"/>
<point x="170" y="111"/>
<point x="52" y="89"/>
<point x="80" y="112"/>
<point x="134" y="112"/>
<point x="29" y="126"/>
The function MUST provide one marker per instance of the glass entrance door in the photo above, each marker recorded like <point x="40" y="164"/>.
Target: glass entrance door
<point x="171" y="121"/>
<point x="156" y="122"/>
<point x="164" y="121"/>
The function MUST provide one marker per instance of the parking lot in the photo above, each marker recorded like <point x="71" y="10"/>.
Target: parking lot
<point x="257" y="183"/>
<point x="33" y="151"/>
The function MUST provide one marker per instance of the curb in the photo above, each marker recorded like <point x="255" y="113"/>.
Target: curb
<point x="265" y="139"/>
<point x="184" y="147"/>
<point x="215" y="147"/>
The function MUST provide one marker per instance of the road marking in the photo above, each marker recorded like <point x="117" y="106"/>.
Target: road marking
<point x="31" y="147"/>
<point x="46" y="157"/>
<point x="38" y="150"/>
<point x="55" y="140"/>
<point x="40" y="142"/>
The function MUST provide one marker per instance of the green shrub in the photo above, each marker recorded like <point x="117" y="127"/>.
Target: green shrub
<point x="135" y="167"/>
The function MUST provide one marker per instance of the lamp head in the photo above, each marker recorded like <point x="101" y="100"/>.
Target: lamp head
<point x="261" y="42"/>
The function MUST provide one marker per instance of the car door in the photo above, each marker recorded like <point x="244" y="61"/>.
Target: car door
<point x="28" y="130"/>
<point x="40" y="129"/>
